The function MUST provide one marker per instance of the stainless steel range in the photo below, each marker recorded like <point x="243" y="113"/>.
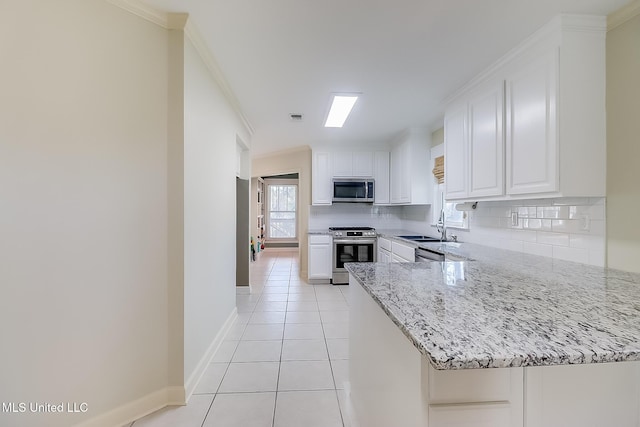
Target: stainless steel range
<point x="351" y="244"/>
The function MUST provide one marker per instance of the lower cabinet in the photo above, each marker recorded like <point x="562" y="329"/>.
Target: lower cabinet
<point x="384" y="250"/>
<point x="392" y="384"/>
<point x="393" y="251"/>
<point x="320" y="257"/>
<point x="402" y="253"/>
<point x="383" y="255"/>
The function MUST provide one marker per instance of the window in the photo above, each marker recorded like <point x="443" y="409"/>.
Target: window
<point x="281" y="220"/>
<point x="452" y="217"/>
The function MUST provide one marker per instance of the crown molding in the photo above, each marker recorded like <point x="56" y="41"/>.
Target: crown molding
<point x="144" y="11"/>
<point x="550" y="33"/>
<point x="623" y="14"/>
<point x="181" y="21"/>
<point x="203" y="50"/>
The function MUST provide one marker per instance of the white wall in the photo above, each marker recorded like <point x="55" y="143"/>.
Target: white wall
<point x="117" y="192"/>
<point x="83" y="194"/>
<point x="623" y="148"/>
<point x="210" y="131"/>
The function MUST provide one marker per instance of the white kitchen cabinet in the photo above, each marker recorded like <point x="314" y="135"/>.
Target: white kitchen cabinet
<point x="401" y="252"/>
<point x="320" y="257"/>
<point x="383" y="256"/>
<point x="321" y="192"/>
<point x="384" y="250"/>
<point x="392" y="384"/>
<point x="474" y="144"/>
<point x="486" y="141"/>
<point x="350" y="164"/>
<point x="396" y="163"/>
<point x="550" y="94"/>
<point x="598" y="394"/>
<point x="363" y="164"/>
<point x="342" y="164"/>
<point x="532" y="149"/>
<point x="470" y="415"/>
<point x="329" y="164"/>
<point x="381" y="177"/>
<point x="455" y="153"/>
<point x="410" y="174"/>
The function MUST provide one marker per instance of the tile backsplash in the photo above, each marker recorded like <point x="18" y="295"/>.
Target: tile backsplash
<point x="354" y="214"/>
<point x="571" y="229"/>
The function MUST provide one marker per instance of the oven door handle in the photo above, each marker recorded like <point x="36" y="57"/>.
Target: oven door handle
<point x="354" y="241"/>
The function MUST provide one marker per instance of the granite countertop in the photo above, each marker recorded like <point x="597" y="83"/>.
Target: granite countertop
<point x="320" y="232"/>
<point x="508" y="309"/>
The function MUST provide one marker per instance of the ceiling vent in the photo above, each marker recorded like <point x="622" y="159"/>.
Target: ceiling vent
<point x="295" y="117"/>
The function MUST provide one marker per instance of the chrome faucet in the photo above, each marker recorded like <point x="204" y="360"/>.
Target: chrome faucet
<point x="441" y="227"/>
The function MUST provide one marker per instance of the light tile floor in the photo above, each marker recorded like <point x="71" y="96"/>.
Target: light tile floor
<point x="284" y="361"/>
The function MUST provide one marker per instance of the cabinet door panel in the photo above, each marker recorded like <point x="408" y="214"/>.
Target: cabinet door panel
<point x="343" y="164"/>
<point x="320" y="261"/>
<point x="407" y="253"/>
<point x="395" y="175"/>
<point x="363" y="164"/>
<point x="486" y="142"/>
<point x="405" y="172"/>
<point x="455" y="154"/>
<point x="381" y="176"/>
<point x="321" y="179"/>
<point x="483" y="415"/>
<point x="531" y="127"/>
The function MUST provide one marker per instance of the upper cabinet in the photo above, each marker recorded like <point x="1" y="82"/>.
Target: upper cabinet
<point x="410" y="172"/>
<point x="321" y="193"/>
<point x="474" y="144"/>
<point x="350" y="164"/>
<point x="327" y="165"/>
<point x="455" y="155"/>
<point x="533" y="125"/>
<point x="532" y="140"/>
<point x="381" y="177"/>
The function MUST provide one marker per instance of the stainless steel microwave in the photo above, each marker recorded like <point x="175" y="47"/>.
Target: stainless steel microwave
<point x="353" y="190"/>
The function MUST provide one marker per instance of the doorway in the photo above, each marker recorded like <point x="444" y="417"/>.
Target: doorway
<point x="242" y="232"/>
<point x="282" y="210"/>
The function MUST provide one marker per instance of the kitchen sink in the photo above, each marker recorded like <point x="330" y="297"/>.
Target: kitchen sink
<point x="420" y="239"/>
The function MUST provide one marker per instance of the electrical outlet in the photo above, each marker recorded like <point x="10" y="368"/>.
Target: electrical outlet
<point x="585" y="223"/>
<point x="514" y="219"/>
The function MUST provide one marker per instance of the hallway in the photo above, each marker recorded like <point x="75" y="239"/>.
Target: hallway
<point x="283" y="363"/>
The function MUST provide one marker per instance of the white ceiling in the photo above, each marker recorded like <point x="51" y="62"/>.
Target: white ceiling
<point x="404" y="56"/>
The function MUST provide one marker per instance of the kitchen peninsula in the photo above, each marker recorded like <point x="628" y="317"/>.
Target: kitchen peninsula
<point x="548" y="328"/>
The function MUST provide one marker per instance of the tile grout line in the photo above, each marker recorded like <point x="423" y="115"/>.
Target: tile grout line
<point x="275" y="401"/>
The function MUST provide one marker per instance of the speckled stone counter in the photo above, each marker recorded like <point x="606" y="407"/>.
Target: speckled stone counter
<point x="324" y="232"/>
<point x="507" y="309"/>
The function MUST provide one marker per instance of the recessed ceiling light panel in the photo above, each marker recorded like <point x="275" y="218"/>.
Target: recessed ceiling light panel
<point x="341" y="106"/>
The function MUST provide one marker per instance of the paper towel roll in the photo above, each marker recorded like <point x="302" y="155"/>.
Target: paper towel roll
<point x="466" y="206"/>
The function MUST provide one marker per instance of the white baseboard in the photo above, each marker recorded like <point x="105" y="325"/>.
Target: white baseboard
<point x="137" y="409"/>
<point x="201" y="367"/>
<point x="167" y="396"/>
<point x="348" y="411"/>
